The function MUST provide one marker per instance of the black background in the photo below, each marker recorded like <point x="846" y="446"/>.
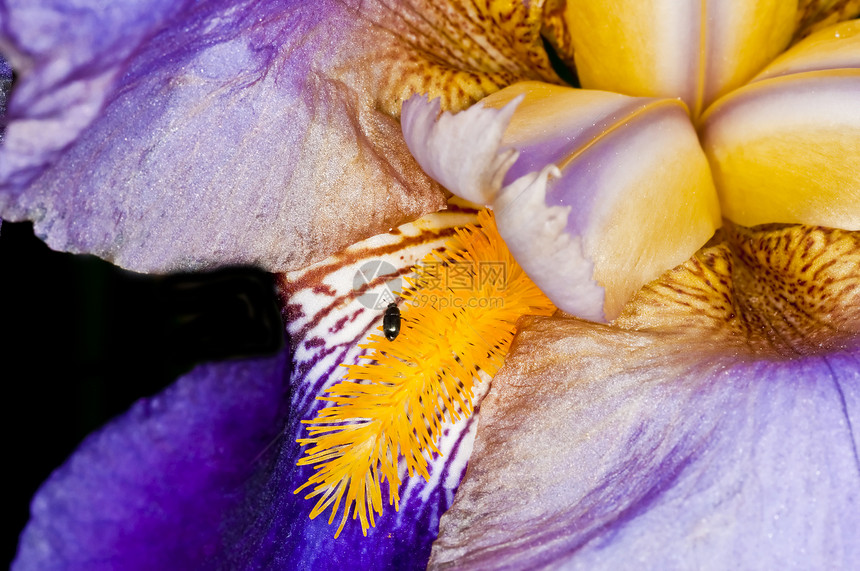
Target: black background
<point x="82" y="340"/>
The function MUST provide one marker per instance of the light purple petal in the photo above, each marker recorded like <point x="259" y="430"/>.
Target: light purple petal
<point x="588" y="233"/>
<point x="714" y="425"/>
<point x="168" y="135"/>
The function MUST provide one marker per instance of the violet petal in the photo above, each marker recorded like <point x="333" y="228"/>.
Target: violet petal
<point x="162" y="486"/>
<point x="182" y="135"/>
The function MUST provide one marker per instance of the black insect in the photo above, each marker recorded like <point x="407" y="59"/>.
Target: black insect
<point x="391" y="322"/>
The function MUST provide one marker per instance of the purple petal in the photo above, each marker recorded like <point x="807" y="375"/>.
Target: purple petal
<point x="331" y="308"/>
<point x="716" y="423"/>
<point x="180" y="135"/>
<point x="168" y="135"/>
<point x="204" y="474"/>
<point x="163" y="486"/>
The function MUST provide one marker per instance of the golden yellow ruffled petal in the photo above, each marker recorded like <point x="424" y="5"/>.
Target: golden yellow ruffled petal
<point x="787" y="149"/>
<point x="633" y="177"/>
<point x="774" y="291"/>
<point x="663" y="48"/>
<point x="459" y="51"/>
<point x="814" y="15"/>
<point x="835" y="47"/>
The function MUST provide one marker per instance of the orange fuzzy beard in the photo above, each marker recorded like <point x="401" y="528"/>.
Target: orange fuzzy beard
<point x="459" y="316"/>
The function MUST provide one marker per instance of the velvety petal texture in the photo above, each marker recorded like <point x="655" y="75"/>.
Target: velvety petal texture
<point x="168" y="135"/>
<point x="786" y="147"/>
<point x="715" y="422"/>
<point x="162" y="487"/>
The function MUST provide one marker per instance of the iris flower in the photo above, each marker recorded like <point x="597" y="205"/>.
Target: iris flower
<point x="712" y="421"/>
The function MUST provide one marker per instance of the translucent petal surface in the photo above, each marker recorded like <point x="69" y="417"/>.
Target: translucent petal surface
<point x="715" y="421"/>
<point x="176" y="135"/>
<point x="786" y="147"/>
<point x="662" y="48"/>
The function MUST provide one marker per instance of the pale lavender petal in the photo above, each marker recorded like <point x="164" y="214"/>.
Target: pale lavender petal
<point x="177" y="135"/>
<point x="715" y="424"/>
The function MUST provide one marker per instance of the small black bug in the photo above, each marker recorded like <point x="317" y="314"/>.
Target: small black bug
<point x="391" y="322"/>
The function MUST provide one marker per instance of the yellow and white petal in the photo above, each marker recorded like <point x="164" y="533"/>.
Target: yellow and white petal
<point x="632" y="195"/>
<point x="786" y="148"/>
<point x="835" y="47"/>
<point x="814" y="15"/>
<point x="442" y="143"/>
<point x="665" y="48"/>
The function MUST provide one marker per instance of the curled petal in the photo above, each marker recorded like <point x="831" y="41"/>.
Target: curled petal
<point x="440" y="142"/>
<point x="170" y="135"/>
<point x="663" y="48"/>
<point x="715" y="421"/>
<point x="631" y="195"/>
<point x="786" y="148"/>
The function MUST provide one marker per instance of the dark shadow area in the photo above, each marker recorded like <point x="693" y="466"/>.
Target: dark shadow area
<point x="82" y="340"/>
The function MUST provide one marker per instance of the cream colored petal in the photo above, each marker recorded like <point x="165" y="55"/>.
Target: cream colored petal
<point x="787" y="149"/>
<point x="463" y="152"/>
<point x="632" y="195"/>
<point x="664" y="48"/>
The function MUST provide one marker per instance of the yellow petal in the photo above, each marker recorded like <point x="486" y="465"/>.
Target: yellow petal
<point x="835" y="47"/>
<point x="457" y="51"/>
<point x="631" y="197"/>
<point x="786" y="148"/>
<point x="664" y="48"/>
<point x="814" y="15"/>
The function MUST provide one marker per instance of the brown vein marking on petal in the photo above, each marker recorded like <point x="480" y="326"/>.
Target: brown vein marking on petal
<point x="813" y="15"/>
<point x="406" y="246"/>
<point x="793" y="290"/>
<point x="556" y="32"/>
<point x="460" y="51"/>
